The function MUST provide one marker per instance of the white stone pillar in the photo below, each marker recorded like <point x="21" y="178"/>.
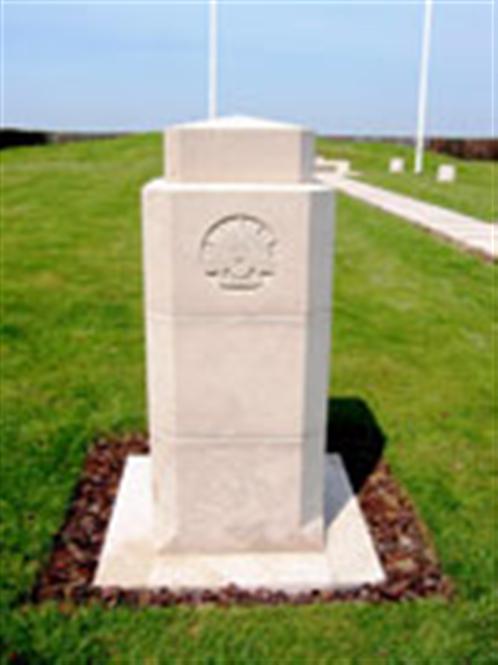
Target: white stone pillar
<point x="238" y="248"/>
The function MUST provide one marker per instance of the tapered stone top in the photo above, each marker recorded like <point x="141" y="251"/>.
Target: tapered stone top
<point x="239" y="149"/>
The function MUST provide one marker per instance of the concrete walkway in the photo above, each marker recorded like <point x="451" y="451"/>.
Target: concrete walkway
<point x="467" y="232"/>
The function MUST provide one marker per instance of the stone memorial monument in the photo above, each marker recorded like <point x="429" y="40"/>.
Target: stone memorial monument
<point x="238" y="252"/>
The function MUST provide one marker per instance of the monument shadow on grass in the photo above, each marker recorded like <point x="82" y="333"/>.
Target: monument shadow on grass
<point x="354" y="433"/>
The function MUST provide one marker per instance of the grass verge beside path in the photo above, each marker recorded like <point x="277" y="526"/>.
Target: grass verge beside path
<point x="474" y="192"/>
<point x="412" y="338"/>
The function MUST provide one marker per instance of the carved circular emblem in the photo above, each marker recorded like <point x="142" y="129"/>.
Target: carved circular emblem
<point x="238" y="252"/>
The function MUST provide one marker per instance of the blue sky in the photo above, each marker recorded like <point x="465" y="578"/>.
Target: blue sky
<point x="341" y="66"/>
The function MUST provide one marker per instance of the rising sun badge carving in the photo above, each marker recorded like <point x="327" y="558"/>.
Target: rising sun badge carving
<point x="238" y="252"/>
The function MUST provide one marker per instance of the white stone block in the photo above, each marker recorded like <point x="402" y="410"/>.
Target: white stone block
<point x="237" y="249"/>
<point x="239" y="149"/>
<point x="446" y="173"/>
<point x="340" y="167"/>
<point x="225" y="489"/>
<point x="396" y="165"/>
<point x="239" y="377"/>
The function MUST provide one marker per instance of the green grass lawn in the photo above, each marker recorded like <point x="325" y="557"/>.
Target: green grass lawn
<point x="474" y="192"/>
<point x="412" y="337"/>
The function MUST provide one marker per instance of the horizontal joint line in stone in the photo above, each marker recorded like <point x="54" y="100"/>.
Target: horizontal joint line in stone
<point x="242" y="317"/>
<point x="229" y="438"/>
<point x="312" y="185"/>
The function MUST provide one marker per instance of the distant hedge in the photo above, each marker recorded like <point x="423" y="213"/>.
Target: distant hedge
<point x="463" y="148"/>
<point x="466" y="148"/>
<point x="12" y="138"/>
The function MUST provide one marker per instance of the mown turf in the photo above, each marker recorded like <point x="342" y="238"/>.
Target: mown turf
<point x="412" y="337"/>
<point x="474" y="193"/>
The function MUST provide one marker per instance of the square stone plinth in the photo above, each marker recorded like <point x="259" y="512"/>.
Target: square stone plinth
<point x="130" y="558"/>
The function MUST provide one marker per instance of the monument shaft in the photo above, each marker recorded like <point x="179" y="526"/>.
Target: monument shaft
<point x="238" y="243"/>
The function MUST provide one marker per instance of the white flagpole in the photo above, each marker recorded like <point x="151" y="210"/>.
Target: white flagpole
<point x="213" y="59"/>
<point x="422" y="93"/>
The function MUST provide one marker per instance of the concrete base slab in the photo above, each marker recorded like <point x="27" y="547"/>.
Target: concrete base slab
<point x="130" y="560"/>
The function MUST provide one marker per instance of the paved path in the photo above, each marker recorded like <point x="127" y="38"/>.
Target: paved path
<point x="467" y="232"/>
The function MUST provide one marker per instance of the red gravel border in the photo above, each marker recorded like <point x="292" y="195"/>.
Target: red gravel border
<point x="401" y="540"/>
